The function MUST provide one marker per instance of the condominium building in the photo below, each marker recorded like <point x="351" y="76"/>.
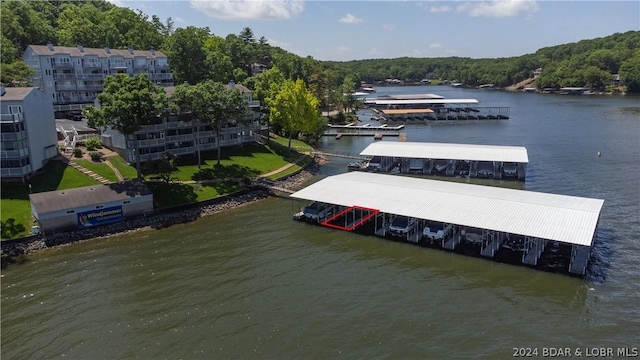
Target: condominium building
<point x="28" y="131"/>
<point x="72" y="77"/>
<point x="170" y="134"/>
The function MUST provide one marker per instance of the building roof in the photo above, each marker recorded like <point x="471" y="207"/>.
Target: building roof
<point x="49" y="201"/>
<point x="15" y="93"/>
<point x="424" y="150"/>
<point x="100" y="52"/>
<point x="426" y="101"/>
<point x="567" y="219"/>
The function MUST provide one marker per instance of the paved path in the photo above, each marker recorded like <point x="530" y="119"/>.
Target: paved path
<point x="276" y="171"/>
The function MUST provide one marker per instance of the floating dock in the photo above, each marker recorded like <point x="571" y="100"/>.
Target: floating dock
<point x="484" y="221"/>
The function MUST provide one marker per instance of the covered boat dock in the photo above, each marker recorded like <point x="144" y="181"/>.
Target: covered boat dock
<point x="486" y="221"/>
<point x="444" y="109"/>
<point x="466" y="160"/>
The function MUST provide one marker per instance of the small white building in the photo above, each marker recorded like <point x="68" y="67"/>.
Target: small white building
<point x="28" y="130"/>
<point x="90" y="206"/>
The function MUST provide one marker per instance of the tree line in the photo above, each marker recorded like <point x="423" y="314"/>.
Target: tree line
<point x="198" y="54"/>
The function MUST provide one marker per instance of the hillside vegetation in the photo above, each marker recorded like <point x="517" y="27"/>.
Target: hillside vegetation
<point x="97" y="23"/>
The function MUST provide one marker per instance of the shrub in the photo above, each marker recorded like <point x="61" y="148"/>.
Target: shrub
<point x="93" y="143"/>
<point x="95" y="156"/>
<point x="77" y="152"/>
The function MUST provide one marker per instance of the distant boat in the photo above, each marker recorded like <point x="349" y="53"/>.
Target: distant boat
<point x="456" y="84"/>
<point x="368" y="90"/>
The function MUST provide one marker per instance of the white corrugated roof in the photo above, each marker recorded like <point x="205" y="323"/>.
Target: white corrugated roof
<point x="562" y="218"/>
<point x="426" y="101"/>
<point x="423" y="150"/>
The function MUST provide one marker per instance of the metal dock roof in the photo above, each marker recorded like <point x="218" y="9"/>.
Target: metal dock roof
<point x="568" y="219"/>
<point x="426" y="101"/>
<point x="424" y="150"/>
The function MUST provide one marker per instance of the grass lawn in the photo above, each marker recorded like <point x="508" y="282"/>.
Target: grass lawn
<point x="99" y="168"/>
<point x="15" y="205"/>
<point x="235" y="162"/>
<point x="126" y="170"/>
<point x="166" y="195"/>
<point x="295" y="144"/>
<point x="297" y="166"/>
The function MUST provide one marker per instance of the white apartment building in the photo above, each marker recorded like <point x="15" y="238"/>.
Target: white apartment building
<point x="28" y="131"/>
<point x="170" y="134"/>
<point x="72" y="77"/>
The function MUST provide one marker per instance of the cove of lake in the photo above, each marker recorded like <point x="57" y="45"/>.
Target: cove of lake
<point x="253" y="283"/>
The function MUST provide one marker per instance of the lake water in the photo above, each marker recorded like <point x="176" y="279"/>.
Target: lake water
<point x="253" y="283"/>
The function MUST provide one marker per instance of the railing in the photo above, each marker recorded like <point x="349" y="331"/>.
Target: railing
<point x="90" y="87"/>
<point x="254" y="103"/>
<point x="91" y="64"/>
<point x="65" y="87"/>
<point x="16" y="172"/>
<point x="11" y="117"/>
<point x="13" y="136"/>
<point x="67" y="65"/>
<point x="89" y="76"/>
<point x="151" y="142"/>
<point x="64" y="75"/>
<point x="151" y="128"/>
<point x="179" y="138"/>
<point x="14" y="154"/>
<point x="168" y="76"/>
<point x="86" y="98"/>
<point x="178" y="124"/>
<point x="138" y="65"/>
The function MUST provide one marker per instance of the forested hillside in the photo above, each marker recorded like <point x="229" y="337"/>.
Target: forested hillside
<point x="198" y="54"/>
<point x="588" y="63"/>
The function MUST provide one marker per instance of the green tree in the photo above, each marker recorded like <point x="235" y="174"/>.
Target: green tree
<point x="211" y="102"/>
<point x="295" y="109"/>
<point x="128" y="103"/>
<point x="186" y="54"/>
<point x="166" y="166"/>
<point x="218" y="62"/>
<point x="630" y="72"/>
<point x="266" y="86"/>
<point x="16" y="74"/>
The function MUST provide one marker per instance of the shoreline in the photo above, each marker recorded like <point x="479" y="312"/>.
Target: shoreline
<point x="13" y="250"/>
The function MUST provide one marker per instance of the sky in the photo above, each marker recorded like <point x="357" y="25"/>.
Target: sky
<point x="368" y="29"/>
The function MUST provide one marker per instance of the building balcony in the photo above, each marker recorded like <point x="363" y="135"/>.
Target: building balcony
<point x="162" y="76"/>
<point x="91" y="65"/>
<point x="86" y="99"/>
<point x="175" y="138"/>
<point x="90" y="87"/>
<point x="14" y="154"/>
<point x="11" y="117"/>
<point x="60" y="76"/>
<point x="68" y="87"/>
<point x="94" y="77"/>
<point x="118" y="66"/>
<point x="179" y="124"/>
<point x="16" y="172"/>
<point x="63" y="65"/>
<point x="254" y="103"/>
<point x="162" y="65"/>
<point x="137" y="65"/>
<point x="13" y="136"/>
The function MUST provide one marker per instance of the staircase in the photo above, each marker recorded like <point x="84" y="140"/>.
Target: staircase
<point x="89" y="173"/>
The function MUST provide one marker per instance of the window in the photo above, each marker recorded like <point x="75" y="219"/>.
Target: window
<point x="126" y="202"/>
<point x="70" y="211"/>
<point x="99" y="206"/>
<point x="15" y="109"/>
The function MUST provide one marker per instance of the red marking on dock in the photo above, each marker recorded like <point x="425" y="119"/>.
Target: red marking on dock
<point x="355" y="225"/>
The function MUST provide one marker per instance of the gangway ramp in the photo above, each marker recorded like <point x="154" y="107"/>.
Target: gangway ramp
<point x="350" y="218"/>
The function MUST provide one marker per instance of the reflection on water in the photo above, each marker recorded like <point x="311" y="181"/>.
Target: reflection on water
<point x="253" y="283"/>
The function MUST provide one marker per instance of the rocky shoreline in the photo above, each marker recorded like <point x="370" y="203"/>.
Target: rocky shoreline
<point x="12" y="251"/>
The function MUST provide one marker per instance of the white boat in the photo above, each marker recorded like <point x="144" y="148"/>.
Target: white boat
<point x="368" y="90"/>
